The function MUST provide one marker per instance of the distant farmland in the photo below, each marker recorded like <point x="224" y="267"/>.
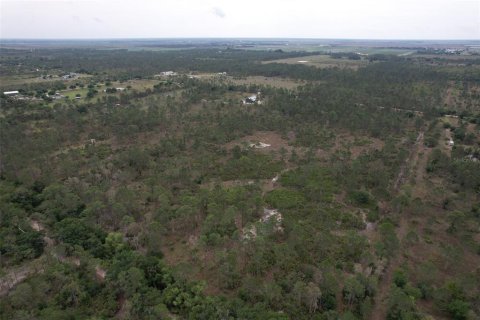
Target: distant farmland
<point x="323" y="61"/>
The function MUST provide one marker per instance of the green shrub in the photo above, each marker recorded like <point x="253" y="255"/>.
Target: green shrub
<point x="285" y="199"/>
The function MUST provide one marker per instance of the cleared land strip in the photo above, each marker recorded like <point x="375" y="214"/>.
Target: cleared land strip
<point x="379" y="311"/>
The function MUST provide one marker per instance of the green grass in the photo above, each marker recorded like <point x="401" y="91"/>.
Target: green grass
<point x="140" y="85"/>
<point x="72" y="93"/>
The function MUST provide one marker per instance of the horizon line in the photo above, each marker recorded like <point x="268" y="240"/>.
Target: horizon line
<point x="239" y="38"/>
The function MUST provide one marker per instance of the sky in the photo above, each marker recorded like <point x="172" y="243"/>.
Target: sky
<point x="344" y="19"/>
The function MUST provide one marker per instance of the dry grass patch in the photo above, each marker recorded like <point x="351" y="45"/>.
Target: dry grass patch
<point x="268" y="81"/>
<point x="274" y="139"/>
<point x="20" y="80"/>
<point x="356" y="145"/>
<point x="323" y="61"/>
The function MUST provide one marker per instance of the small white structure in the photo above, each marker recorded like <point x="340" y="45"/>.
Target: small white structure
<point x="250" y="100"/>
<point x="254" y="98"/>
<point x="167" y="73"/>
<point x="451" y="143"/>
<point x="452" y="51"/>
<point x="120" y="89"/>
<point x="10" y="93"/>
<point x="259" y="145"/>
<point x="71" y="75"/>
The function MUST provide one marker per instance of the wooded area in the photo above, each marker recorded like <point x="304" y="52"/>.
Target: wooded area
<point x="151" y="200"/>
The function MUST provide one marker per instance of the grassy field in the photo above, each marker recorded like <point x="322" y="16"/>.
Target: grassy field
<point x="446" y="56"/>
<point x="72" y="93"/>
<point x="11" y="81"/>
<point x="140" y="85"/>
<point x="367" y="50"/>
<point x="331" y="48"/>
<point x="323" y="61"/>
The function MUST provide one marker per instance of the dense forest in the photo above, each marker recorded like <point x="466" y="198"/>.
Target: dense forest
<point x="146" y="186"/>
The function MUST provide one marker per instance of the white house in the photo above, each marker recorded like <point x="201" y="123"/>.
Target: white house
<point x="10" y="93"/>
<point x="166" y="73"/>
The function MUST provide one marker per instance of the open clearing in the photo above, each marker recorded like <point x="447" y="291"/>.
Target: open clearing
<point x="323" y="61"/>
<point x="446" y="56"/>
<point x="273" y="139"/>
<point x="343" y="141"/>
<point x="357" y="144"/>
<point x="21" y="80"/>
<point x="310" y="47"/>
<point x="139" y="85"/>
<point x="267" y="81"/>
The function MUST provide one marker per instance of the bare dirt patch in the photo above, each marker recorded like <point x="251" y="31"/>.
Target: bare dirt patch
<point x="472" y="128"/>
<point x="37" y="226"/>
<point x="273" y="139"/>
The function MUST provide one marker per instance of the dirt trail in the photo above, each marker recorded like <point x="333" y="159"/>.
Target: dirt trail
<point x="16" y="275"/>
<point x="420" y="189"/>
<point x="449" y="99"/>
<point x="379" y="311"/>
<point x="409" y="163"/>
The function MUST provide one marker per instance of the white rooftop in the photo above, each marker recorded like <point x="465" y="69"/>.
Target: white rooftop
<point x="10" y="92"/>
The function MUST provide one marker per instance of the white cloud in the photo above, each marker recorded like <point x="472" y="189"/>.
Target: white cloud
<point x="218" y="12"/>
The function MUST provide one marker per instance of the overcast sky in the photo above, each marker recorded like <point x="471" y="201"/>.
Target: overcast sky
<point x="361" y="19"/>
